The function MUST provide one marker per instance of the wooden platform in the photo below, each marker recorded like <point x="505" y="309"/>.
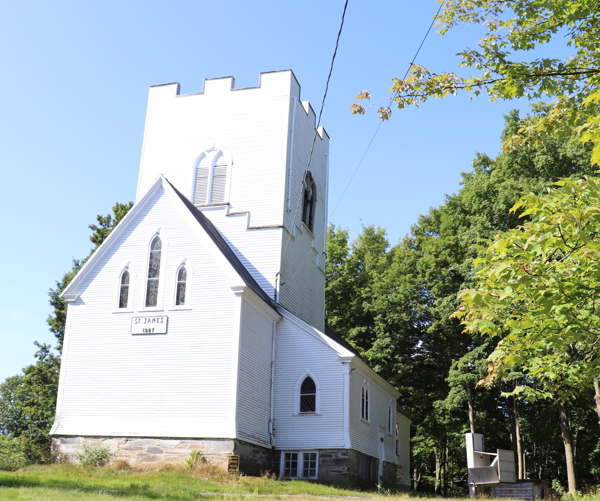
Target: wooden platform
<point x="523" y="489"/>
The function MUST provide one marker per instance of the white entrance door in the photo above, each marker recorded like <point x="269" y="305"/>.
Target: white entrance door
<point x="381" y="449"/>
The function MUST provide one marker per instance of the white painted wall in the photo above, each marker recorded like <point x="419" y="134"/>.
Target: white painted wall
<point x="173" y="385"/>
<point x="299" y="352"/>
<point x="364" y="435"/>
<point x="403" y="459"/>
<point x="254" y="384"/>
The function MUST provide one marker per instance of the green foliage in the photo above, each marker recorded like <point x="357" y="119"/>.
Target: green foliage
<point x="94" y="455"/>
<point x="537" y="289"/>
<point x="504" y="71"/>
<point x="195" y="459"/>
<point x="12" y="456"/>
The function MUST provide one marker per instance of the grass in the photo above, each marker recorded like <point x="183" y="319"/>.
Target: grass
<point x="70" y="482"/>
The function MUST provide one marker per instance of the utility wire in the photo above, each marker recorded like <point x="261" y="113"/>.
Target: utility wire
<point x="376" y="130"/>
<point x="337" y="42"/>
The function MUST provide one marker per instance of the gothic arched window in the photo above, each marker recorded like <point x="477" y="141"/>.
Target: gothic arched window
<point x="308" y="395"/>
<point x="389" y="427"/>
<point x="153" y="272"/>
<point x="211" y="177"/>
<point x="364" y="407"/>
<point x="124" y="289"/>
<point x="309" y="201"/>
<point x="180" y="288"/>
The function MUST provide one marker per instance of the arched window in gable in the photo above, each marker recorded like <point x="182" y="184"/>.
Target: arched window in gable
<point x="211" y="178"/>
<point x="153" y="272"/>
<point x="309" y="201"/>
<point x="308" y="395"/>
<point x="124" y="289"/>
<point x="181" y="286"/>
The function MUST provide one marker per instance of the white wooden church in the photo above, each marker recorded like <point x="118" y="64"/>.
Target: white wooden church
<point x="199" y="323"/>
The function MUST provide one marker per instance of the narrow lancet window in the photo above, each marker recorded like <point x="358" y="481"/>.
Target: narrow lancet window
<point x="181" y="281"/>
<point x="124" y="290"/>
<point x="389" y="419"/>
<point x="308" y="395"/>
<point x="309" y="203"/>
<point x="219" y="180"/>
<point x="153" y="272"/>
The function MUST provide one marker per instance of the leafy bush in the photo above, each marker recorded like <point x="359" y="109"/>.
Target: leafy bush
<point x="194" y="459"/>
<point x="94" y="455"/>
<point x="12" y="456"/>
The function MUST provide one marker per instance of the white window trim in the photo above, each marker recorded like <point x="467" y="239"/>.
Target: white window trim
<point x="162" y="278"/>
<point x="390" y="418"/>
<point x="214" y="151"/>
<point x="188" y="286"/>
<point x="130" y="301"/>
<point x="300" y="464"/>
<point x="365" y="387"/>
<point x="317" y="412"/>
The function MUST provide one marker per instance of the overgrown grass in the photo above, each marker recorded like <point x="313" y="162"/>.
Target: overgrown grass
<point x="72" y="482"/>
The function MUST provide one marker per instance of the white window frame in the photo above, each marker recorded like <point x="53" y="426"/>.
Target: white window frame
<point x="212" y="152"/>
<point x="162" y="278"/>
<point x="317" y="412"/>
<point x="188" y="285"/>
<point x="129" y="309"/>
<point x="390" y="418"/>
<point x="300" y="464"/>
<point x="368" y="397"/>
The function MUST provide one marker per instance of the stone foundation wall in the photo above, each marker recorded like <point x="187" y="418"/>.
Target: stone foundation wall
<point x="253" y="459"/>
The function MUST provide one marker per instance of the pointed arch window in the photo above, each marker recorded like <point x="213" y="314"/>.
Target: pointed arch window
<point x="364" y="406"/>
<point x="308" y="395"/>
<point x="181" y="286"/>
<point x="153" y="272"/>
<point x="124" y="289"/>
<point x="309" y="201"/>
<point x="211" y="178"/>
<point x="389" y="426"/>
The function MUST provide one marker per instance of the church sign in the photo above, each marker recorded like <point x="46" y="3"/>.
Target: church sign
<point x="149" y="325"/>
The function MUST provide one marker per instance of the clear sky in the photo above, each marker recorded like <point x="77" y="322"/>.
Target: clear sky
<point x="73" y="94"/>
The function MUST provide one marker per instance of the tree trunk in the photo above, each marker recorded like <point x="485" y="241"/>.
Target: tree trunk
<point x="597" y="388"/>
<point x="416" y="478"/>
<point x="471" y="412"/>
<point x="518" y="442"/>
<point x="565" y="428"/>
<point x="446" y="467"/>
<point x="438" y="469"/>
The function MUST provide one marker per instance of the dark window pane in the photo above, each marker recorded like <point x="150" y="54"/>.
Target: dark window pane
<point x="125" y="278"/>
<point x="182" y="275"/>
<point x="152" y="292"/>
<point x="308" y="386"/>
<point x="124" y="296"/>
<point x="180" y="300"/>
<point x="154" y="265"/>
<point x="291" y="464"/>
<point x="307" y="403"/>
<point x="156" y="244"/>
<point x="309" y="465"/>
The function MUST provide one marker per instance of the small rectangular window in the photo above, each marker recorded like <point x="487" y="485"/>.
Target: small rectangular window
<point x="290" y="469"/>
<point x="309" y="465"/>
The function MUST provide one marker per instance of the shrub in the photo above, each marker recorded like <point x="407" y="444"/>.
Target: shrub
<point x="94" y="455"/>
<point x="12" y="456"/>
<point x="194" y="459"/>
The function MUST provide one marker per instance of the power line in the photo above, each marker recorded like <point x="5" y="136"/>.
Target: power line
<point x="337" y="42"/>
<point x="374" y="134"/>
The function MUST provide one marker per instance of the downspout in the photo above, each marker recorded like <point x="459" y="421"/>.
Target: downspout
<point x="272" y="419"/>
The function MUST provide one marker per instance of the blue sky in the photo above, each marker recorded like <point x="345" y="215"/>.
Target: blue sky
<point x="73" y="94"/>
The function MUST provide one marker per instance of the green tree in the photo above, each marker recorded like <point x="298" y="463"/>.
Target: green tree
<point x="504" y="69"/>
<point x="537" y="290"/>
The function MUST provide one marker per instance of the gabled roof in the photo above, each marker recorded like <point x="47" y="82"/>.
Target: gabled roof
<point x="237" y="268"/>
<point x="223" y="246"/>
<point x="329" y="332"/>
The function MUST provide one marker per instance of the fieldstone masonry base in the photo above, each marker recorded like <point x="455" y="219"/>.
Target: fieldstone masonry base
<point x="138" y="451"/>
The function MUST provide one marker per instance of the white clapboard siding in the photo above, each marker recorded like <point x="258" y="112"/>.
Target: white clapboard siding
<point x="254" y="383"/>
<point x="403" y="458"/>
<point x="257" y="249"/>
<point x="173" y="385"/>
<point x="297" y="353"/>
<point x="365" y="435"/>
